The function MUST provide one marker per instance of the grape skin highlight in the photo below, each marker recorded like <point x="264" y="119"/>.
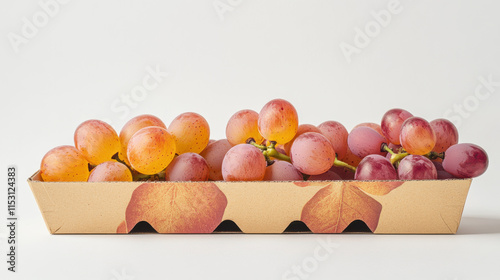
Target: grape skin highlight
<point x="337" y="134"/>
<point x="375" y="167"/>
<point x="414" y="167"/>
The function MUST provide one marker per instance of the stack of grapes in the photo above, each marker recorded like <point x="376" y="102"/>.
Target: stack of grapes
<point x="270" y="146"/>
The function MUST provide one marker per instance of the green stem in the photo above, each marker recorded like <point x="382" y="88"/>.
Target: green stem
<point x="397" y="157"/>
<point x="386" y="148"/>
<point x="344" y="164"/>
<point x="271" y="152"/>
<point x="433" y="155"/>
<point x="251" y="141"/>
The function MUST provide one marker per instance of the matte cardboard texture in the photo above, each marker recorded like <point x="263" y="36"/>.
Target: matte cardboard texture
<point x="390" y="207"/>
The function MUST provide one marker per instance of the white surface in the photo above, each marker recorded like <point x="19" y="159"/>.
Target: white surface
<point x="428" y="58"/>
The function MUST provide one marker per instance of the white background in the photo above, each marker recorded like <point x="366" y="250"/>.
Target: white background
<point x="429" y="58"/>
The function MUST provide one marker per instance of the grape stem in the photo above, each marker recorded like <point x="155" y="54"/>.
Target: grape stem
<point x="269" y="151"/>
<point x="397" y="157"/>
<point x="344" y="164"/>
<point x="385" y="148"/>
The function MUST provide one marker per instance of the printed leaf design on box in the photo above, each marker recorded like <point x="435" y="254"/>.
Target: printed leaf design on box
<point x="176" y="207"/>
<point x="334" y="207"/>
<point x="376" y="187"/>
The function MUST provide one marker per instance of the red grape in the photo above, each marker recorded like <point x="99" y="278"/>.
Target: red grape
<point x="391" y="124"/>
<point x="417" y="136"/>
<point x="244" y="162"/>
<point x="327" y="176"/>
<point x="312" y="153"/>
<point x="282" y="171"/>
<point x="465" y="160"/>
<point x="365" y="141"/>
<point x="337" y="134"/>
<point x="110" y="171"/>
<point x="414" y="167"/>
<point x="375" y="167"/>
<point x="446" y="134"/>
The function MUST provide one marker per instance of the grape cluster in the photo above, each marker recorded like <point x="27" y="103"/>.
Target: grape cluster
<point x="269" y="145"/>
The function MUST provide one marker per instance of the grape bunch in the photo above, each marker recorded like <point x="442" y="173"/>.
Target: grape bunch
<point x="269" y="145"/>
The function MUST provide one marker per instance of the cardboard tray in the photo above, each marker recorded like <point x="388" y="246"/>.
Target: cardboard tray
<point x="386" y="207"/>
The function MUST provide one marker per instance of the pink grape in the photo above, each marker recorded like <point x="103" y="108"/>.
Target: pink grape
<point x="391" y="124"/>
<point x="244" y="162"/>
<point x="364" y="141"/>
<point x="282" y="171"/>
<point x="373" y="126"/>
<point x="344" y="173"/>
<point x="214" y="154"/>
<point x="417" y="136"/>
<point x="312" y="153"/>
<point x="414" y="167"/>
<point x="337" y="134"/>
<point x="465" y="160"/>
<point x="187" y="167"/>
<point x="375" y="167"/>
<point x="446" y="134"/>
<point x="110" y="171"/>
<point x="303" y="128"/>
<point x="327" y="176"/>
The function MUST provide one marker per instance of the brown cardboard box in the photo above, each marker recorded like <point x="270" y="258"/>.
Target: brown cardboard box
<point x="255" y="207"/>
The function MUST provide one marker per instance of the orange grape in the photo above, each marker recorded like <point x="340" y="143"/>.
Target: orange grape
<point x="278" y="121"/>
<point x="303" y="128"/>
<point x="191" y="133"/>
<point x="64" y="164"/>
<point x="131" y="127"/>
<point x="97" y="141"/>
<point x="151" y="149"/>
<point x="417" y="136"/>
<point x="110" y="171"/>
<point x="242" y="126"/>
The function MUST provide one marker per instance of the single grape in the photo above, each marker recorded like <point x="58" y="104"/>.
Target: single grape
<point x="465" y="160"/>
<point x="131" y="127"/>
<point x="337" y="134"/>
<point x="97" y="141"/>
<point x="64" y="164"/>
<point x="365" y="141"/>
<point x="312" y="153"/>
<point x="373" y="126"/>
<point x="191" y="133"/>
<point x="278" y="121"/>
<point x="375" y="167"/>
<point x="446" y="134"/>
<point x="327" y="176"/>
<point x="151" y="149"/>
<point x="303" y="128"/>
<point x="282" y="171"/>
<point x="214" y="154"/>
<point x="392" y="122"/>
<point x="417" y="136"/>
<point x="187" y="167"/>
<point x="244" y="162"/>
<point x="110" y="171"/>
<point x="242" y="126"/>
<point x="414" y="167"/>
